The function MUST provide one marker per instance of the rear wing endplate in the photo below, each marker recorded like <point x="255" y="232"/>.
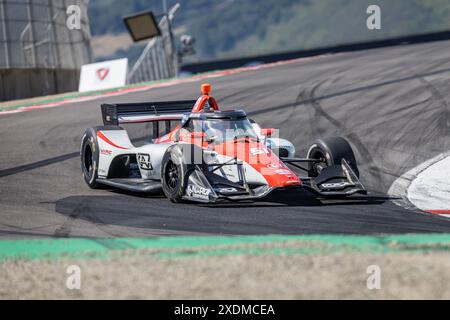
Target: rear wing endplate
<point x="115" y="114"/>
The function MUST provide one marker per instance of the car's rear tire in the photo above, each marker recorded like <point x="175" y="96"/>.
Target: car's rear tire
<point x="89" y="154"/>
<point x="331" y="151"/>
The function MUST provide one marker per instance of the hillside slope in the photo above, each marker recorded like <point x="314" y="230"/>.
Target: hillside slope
<point x="230" y="28"/>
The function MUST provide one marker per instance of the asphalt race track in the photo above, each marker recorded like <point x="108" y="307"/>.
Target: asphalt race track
<point x="391" y="103"/>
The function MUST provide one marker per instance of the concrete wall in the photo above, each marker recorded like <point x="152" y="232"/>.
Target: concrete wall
<point x="39" y="54"/>
<point x="27" y="83"/>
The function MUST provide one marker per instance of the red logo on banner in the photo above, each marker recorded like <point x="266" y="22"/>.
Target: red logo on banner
<point x="102" y="73"/>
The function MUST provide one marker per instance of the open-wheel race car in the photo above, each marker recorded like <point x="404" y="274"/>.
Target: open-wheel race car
<point x="207" y="155"/>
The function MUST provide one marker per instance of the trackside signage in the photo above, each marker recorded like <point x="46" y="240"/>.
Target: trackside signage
<point x="103" y="75"/>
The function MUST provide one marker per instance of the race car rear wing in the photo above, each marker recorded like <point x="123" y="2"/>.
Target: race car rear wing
<point x="115" y="114"/>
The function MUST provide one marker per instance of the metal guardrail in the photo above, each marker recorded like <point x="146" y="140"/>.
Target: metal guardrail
<point x="159" y="59"/>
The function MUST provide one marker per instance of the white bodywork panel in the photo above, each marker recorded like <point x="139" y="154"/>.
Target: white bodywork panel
<point x="153" y="153"/>
<point x="279" y="143"/>
<point x="148" y="156"/>
<point x="275" y="143"/>
<point x="108" y="152"/>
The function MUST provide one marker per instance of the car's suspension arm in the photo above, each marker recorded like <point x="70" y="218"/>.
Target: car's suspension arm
<point x="295" y="162"/>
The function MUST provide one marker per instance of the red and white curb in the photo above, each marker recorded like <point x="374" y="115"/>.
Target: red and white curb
<point x="118" y="92"/>
<point x="426" y="187"/>
<point x="430" y="191"/>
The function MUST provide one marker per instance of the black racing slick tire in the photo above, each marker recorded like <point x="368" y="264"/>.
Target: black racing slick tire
<point x="89" y="154"/>
<point x="177" y="163"/>
<point x="331" y="151"/>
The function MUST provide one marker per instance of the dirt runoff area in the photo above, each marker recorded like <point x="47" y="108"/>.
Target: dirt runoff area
<point x="269" y="272"/>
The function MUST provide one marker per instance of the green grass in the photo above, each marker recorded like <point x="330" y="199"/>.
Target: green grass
<point x="174" y="247"/>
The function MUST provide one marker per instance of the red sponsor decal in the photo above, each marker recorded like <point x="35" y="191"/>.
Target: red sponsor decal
<point x="102" y="73"/>
<point x="106" y="152"/>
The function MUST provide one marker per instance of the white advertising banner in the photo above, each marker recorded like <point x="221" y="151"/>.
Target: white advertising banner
<point x="103" y="75"/>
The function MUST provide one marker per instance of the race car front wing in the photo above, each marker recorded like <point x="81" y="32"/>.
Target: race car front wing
<point x="206" y="186"/>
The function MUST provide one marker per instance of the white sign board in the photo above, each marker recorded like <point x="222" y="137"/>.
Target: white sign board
<point x="103" y="75"/>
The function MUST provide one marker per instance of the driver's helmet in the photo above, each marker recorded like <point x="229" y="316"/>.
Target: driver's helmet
<point x="214" y="129"/>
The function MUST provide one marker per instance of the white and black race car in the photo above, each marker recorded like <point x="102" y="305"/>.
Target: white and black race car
<point x="210" y="155"/>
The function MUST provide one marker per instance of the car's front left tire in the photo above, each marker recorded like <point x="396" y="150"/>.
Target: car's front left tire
<point x="173" y="172"/>
<point x="178" y="163"/>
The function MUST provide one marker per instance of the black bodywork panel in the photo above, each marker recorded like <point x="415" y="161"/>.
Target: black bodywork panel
<point x="112" y="112"/>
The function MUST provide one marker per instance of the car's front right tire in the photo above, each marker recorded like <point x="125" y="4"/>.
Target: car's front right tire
<point x="331" y="151"/>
